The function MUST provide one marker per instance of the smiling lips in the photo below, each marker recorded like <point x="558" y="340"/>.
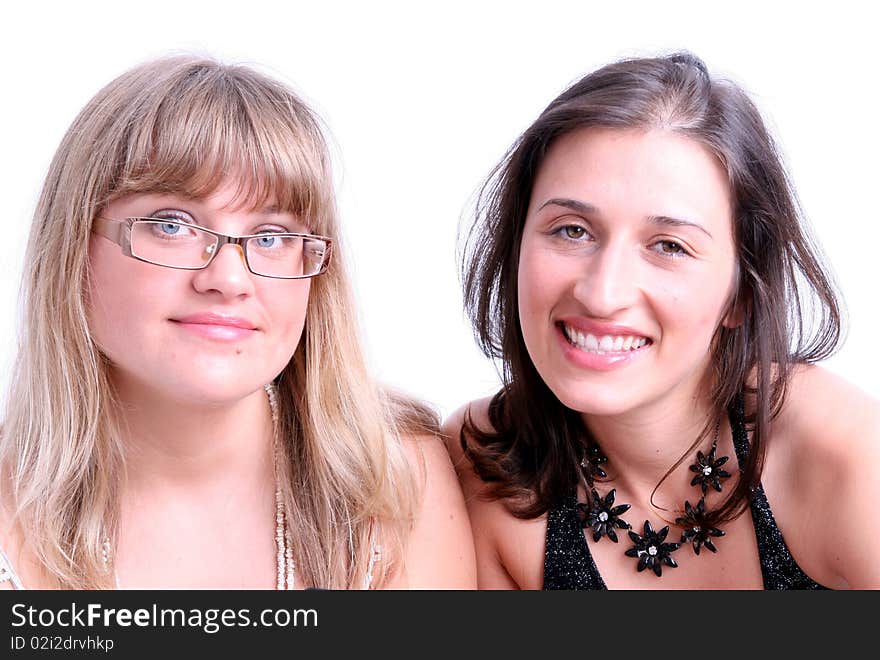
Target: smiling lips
<point x="603" y="343"/>
<point x="219" y="327"/>
<point x="600" y="347"/>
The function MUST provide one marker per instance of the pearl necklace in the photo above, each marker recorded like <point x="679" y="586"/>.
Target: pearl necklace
<point x="284" y="563"/>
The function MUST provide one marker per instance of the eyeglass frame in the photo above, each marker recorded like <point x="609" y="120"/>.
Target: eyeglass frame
<point x="119" y="231"/>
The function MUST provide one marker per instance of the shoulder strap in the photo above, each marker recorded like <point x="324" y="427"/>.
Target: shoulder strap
<point x="7" y="573"/>
<point x="778" y="567"/>
<point x="568" y="563"/>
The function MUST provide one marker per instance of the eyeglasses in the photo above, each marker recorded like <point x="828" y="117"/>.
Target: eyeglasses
<point x="177" y="244"/>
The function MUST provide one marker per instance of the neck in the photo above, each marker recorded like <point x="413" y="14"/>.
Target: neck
<point x="642" y="445"/>
<point x="200" y="488"/>
<point x="174" y="442"/>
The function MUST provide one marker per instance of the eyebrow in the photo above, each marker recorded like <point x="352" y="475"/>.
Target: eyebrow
<point x="584" y="207"/>
<point x="572" y="204"/>
<point x="676" y="222"/>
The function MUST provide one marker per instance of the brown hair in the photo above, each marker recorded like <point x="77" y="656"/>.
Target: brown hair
<point x="532" y="452"/>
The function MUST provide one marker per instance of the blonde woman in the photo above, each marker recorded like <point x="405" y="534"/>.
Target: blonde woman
<point x="189" y="406"/>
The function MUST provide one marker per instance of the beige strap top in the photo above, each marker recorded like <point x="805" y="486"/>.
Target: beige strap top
<point x="8" y="574"/>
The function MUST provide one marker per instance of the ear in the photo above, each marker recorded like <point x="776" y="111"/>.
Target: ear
<point x="732" y="320"/>
<point x="739" y="309"/>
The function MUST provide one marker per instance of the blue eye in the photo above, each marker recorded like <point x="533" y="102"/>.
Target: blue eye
<point x="169" y="228"/>
<point x="266" y="241"/>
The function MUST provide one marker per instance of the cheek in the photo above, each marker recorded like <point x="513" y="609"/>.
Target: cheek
<point x="693" y="306"/>
<point x="108" y="297"/>
<point x="287" y="303"/>
<point x="123" y="295"/>
<point x="540" y="280"/>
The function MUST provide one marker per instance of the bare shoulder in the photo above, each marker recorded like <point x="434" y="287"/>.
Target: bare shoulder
<point x="426" y="455"/>
<point x="821" y="459"/>
<point x="478" y="413"/>
<point x="509" y="549"/>
<point x="435" y="477"/>
<point x="440" y="551"/>
<point x="476" y="492"/>
<point x="828" y="416"/>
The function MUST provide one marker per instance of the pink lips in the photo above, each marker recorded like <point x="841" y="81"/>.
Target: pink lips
<point x="598" y="361"/>
<point x="599" y="327"/>
<point x="219" y="327"/>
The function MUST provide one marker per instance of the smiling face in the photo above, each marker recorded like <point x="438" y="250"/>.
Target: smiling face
<point x="209" y="336"/>
<point x="627" y="265"/>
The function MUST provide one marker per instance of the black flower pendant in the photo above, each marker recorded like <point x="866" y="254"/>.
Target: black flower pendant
<point x="651" y="551"/>
<point x="602" y="515"/>
<point x="592" y="463"/>
<point x="696" y="531"/>
<point x="709" y="471"/>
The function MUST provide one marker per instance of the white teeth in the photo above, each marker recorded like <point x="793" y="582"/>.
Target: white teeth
<point x="605" y="343"/>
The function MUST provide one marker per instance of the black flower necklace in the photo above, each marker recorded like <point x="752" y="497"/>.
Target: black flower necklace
<point x="650" y="549"/>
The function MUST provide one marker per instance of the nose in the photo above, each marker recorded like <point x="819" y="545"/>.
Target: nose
<point x="227" y="274"/>
<point x="608" y="283"/>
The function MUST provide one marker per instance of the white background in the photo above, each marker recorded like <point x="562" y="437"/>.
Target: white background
<point x="422" y="100"/>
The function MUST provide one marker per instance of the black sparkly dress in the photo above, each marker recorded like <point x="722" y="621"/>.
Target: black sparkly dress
<point x="568" y="563"/>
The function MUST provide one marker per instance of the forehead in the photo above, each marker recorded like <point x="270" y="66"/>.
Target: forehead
<point x="635" y="173"/>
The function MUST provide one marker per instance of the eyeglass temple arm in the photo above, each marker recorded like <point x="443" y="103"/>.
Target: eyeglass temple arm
<point x="107" y="228"/>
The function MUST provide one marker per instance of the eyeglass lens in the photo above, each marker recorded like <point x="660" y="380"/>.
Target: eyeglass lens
<point x="180" y="246"/>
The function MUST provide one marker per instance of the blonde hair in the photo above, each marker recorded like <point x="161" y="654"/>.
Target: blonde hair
<point x="182" y="125"/>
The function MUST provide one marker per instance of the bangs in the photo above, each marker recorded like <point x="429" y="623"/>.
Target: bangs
<point x="214" y="125"/>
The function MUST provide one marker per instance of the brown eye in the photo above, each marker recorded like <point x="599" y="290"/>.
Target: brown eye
<point x="574" y="231"/>
<point x="671" y="248"/>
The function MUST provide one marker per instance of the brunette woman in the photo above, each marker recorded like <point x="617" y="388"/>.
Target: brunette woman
<point x="640" y="268"/>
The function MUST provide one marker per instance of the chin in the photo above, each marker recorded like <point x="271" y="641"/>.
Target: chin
<point x="189" y="384"/>
<point x="230" y="367"/>
<point x="212" y="393"/>
<point x="593" y="400"/>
